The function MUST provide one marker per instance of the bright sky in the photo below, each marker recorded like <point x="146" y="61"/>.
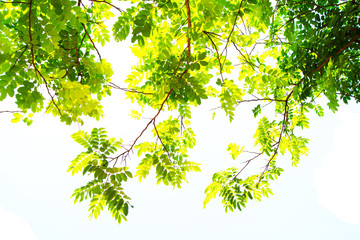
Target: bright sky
<point x="317" y="200"/>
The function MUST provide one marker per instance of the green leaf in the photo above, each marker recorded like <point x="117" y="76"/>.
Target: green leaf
<point x="125" y="209"/>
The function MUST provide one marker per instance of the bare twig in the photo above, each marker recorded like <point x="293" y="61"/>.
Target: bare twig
<point x="8" y="111"/>
<point x="261" y="99"/>
<point x="246" y="164"/>
<point x="146" y="127"/>
<point x="113" y="85"/>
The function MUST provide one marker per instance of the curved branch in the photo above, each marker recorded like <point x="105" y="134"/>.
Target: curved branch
<point x="217" y="55"/>
<point x="283" y="126"/>
<point x="277" y="143"/>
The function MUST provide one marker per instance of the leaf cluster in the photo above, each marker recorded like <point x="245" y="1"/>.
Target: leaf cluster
<point x="286" y="54"/>
<point x="106" y="188"/>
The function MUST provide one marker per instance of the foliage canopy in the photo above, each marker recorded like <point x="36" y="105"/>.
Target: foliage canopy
<point x="288" y="53"/>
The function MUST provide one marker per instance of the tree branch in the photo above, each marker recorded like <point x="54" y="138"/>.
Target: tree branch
<point x="113" y="85"/>
<point x="117" y="8"/>
<point x="158" y="135"/>
<point x="338" y="52"/>
<point x="233" y="27"/>
<point x="22" y="53"/>
<point x="261" y="99"/>
<point x="152" y="120"/>
<point x="283" y="126"/>
<point x="247" y="163"/>
<point x="15" y="2"/>
<point x="189" y="27"/>
<point x="7" y="111"/>
<point x="217" y="54"/>
<point x="246" y="60"/>
<point x="91" y="40"/>
<point x="302" y="13"/>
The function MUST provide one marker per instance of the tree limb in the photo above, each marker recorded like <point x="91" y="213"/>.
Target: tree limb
<point x="338" y="52"/>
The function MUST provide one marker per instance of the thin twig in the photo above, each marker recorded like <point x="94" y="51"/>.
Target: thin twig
<point x="283" y="126"/>
<point x="18" y="58"/>
<point x="117" y="8"/>
<point x="127" y="152"/>
<point x="9" y="111"/>
<point x="252" y="65"/>
<point x="261" y="99"/>
<point x="233" y="27"/>
<point x="217" y="54"/>
<point x="247" y="163"/>
<point x="91" y="40"/>
<point x="15" y="2"/>
<point x="162" y="143"/>
<point x="113" y="85"/>
<point x="188" y="12"/>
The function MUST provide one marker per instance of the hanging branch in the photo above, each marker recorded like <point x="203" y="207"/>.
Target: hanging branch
<point x="277" y="144"/>
<point x="217" y="55"/>
<point x="152" y="120"/>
